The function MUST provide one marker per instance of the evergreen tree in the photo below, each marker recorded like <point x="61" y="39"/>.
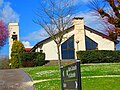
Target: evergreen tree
<point x="17" y="49"/>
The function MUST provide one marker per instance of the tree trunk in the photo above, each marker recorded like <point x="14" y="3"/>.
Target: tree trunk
<point x="59" y="59"/>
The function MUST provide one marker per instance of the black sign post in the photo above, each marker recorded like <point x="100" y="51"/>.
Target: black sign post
<point x="62" y="81"/>
<point x="71" y="76"/>
<point x="79" y="75"/>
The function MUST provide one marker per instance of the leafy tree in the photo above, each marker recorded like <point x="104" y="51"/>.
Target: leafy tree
<point x="3" y="33"/>
<point x="54" y="16"/>
<point x="17" y="49"/>
<point x="109" y="12"/>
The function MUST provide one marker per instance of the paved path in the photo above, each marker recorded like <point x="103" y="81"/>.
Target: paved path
<point x="15" y="79"/>
<point x="104" y="76"/>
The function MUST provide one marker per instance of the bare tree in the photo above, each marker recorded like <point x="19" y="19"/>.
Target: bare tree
<point x="54" y="16"/>
<point x="109" y="12"/>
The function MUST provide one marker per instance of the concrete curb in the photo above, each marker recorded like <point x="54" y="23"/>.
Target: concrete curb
<point x="29" y="77"/>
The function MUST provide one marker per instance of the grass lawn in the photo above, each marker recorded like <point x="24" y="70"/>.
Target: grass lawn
<point x="87" y="84"/>
<point x="100" y="69"/>
<point x="43" y="72"/>
<point x="48" y="85"/>
<point x="99" y="83"/>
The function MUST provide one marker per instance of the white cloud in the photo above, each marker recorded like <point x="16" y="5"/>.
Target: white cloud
<point x="36" y="35"/>
<point x="7" y="13"/>
<point x="27" y="44"/>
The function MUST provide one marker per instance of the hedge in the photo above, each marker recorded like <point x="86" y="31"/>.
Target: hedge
<point x="99" y="56"/>
<point x="29" y="59"/>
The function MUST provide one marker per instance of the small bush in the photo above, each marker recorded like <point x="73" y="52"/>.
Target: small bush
<point x="28" y="64"/>
<point x="32" y="58"/>
<point x="39" y="60"/>
<point x="98" y="56"/>
<point x="4" y="64"/>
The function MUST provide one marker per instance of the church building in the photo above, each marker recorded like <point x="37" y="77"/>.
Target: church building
<point x="77" y="37"/>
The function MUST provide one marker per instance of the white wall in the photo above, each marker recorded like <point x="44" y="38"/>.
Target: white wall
<point x="103" y="43"/>
<point x="50" y="48"/>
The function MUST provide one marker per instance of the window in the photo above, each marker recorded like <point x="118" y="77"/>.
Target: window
<point x="14" y="37"/>
<point x="90" y="44"/>
<point x="67" y="48"/>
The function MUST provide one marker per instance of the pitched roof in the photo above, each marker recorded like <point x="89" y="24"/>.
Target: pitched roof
<point x="85" y="27"/>
<point x="99" y="33"/>
<point x="47" y="39"/>
<point x="27" y="49"/>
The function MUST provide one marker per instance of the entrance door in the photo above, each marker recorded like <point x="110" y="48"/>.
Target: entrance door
<point x="67" y="49"/>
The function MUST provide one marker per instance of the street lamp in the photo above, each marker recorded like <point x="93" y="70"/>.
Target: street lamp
<point x="77" y="45"/>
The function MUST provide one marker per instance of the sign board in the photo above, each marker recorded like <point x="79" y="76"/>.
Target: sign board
<point x="69" y="72"/>
<point x="71" y="76"/>
<point x="70" y="85"/>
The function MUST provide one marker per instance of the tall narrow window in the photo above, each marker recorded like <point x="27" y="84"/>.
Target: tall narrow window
<point x="67" y="48"/>
<point x="90" y="44"/>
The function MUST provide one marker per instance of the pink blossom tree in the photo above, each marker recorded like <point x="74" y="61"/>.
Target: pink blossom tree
<point x="3" y="34"/>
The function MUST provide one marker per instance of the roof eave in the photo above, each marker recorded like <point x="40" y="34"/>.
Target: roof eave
<point x="100" y="34"/>
<point x="43" y="41"/>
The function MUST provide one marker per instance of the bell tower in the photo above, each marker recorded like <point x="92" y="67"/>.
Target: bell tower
<point x="13" y="35"/>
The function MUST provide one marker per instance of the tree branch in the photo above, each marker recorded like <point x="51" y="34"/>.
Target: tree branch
<point x="115" y="9"/>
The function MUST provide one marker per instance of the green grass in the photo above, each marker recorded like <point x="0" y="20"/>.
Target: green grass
<point x="52" y="72"/>
<point x="43" y="72"/>
<point x="101" y="83"/>
<point x="48" y="85"/>
<point x="100" y="69"/>
<point x="87" y="84"/>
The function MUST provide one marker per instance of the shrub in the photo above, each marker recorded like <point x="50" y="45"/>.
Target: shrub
<point x="98" y="56"/>
<point x="4" y="64"/>
<point x="39" y="60"/>
<point x="17" y="48"/>
<point x="33" y="58"/>
<point x="28" y="64"/>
